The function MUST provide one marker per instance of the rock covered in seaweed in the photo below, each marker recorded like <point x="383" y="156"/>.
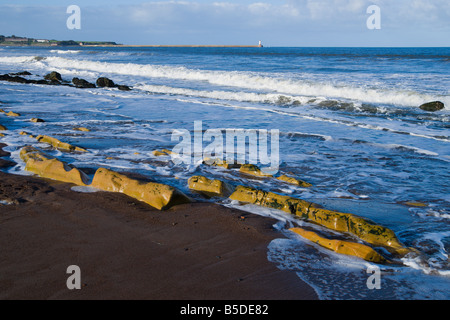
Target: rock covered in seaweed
<point x="432" y="106"/>
<point x="81" y="83"/>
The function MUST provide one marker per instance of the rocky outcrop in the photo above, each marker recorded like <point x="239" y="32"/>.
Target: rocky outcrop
<point x="22" y="73"/>
<point x="220" y="163"/>
<point x="159" y="196"/>
<point x="63" y="146"/>
<point x="209" y="187"/>
<point x="81" y="129"/>
<point x="3" y="128"/>
<point x="163" y="152"/>
<point x="105" y="82"/>
<point x="123" y="87"/>
<point x="432" y="106"/>
<point x="53" y="76"/>
<point x="36" y="120"/>
<point x="363" y="228"/>
<point x="340" y="246"/>
<point x="294" y="181"/>
<point x="10" y="113"/>
<point x="81" y="83"/>
<point x="253" y="170"/>
<point x="47" y="167"/>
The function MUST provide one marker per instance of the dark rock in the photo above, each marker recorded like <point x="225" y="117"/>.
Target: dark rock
<point x="23" y="73"/>
<point x="38" y="81"/>
<point x="81" y="83"/>
<point x="432" y="106"/>
<point x="18" y="80"/>
<point x="105" y="82"/>
<point x="123" y="88"/>
<point x="54" y="83"/>
<point x="53" y="76"/>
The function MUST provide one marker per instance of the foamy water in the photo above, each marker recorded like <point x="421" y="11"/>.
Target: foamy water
<point x="349" y="124"/>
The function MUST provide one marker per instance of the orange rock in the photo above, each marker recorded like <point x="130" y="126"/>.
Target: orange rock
<point x="46" y="167"/>
<point x="209" y="187"/>
<point x="159" y="196"/>
<point x="58" y="144"/>
<point x="341" y="246"/>
<point x="294" y="181"/>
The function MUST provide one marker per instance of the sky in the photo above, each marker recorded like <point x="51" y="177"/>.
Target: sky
<point x="293" y="23"/>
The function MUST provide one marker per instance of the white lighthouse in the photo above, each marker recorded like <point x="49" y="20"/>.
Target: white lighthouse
<point x="260" y="44"/>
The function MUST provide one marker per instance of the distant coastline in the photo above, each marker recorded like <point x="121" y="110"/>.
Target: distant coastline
<point x="24" y="41"/>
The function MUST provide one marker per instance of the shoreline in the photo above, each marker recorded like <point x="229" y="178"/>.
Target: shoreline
<point x="129" y="250"/>
<point x="135" y="46"/>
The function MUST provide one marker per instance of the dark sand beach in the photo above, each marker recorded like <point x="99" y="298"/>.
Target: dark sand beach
<point x="128" y="250"/>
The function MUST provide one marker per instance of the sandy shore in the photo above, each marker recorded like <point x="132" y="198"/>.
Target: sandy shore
<point x="128" y="250"/>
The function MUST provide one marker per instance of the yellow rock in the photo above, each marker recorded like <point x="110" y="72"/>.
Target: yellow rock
<point x="253" y="170"/>
<point x="220" y="163"/>
<point x="159" y="153"/>
<point x="81" y="129"/>
<point x="163" y="152"/>
<point x="2" y="135"/>
<point x="170" y="152"/>
<point x="341" y="246"/>
<point x="3" y="128"/>
<point x="45" y="167"/>
<point x="209" y="187"/>
<point x="157" y="195"/>
<point x="415" y="204"/>
<point x="268" y="199"/>
<point x="58" y="144"/>
<point x="294" y="181"/>
<point x="12" y="114"/>
<point x="338" y="221"/>
<point x="36" y="120"/>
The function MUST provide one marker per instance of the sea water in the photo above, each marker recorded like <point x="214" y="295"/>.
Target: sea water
<point x="349" y="124"/>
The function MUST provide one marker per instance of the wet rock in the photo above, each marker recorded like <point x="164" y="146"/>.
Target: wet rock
<point x="23" y="73"/>
<point x="220" y="163"/>
<point x="53" y="76"/>
<point x="105" y="82"/>
<point x="363" y="228"/>
<point x="81" y="83"/>
<point x="209" y="187"/>
<point x="123" y="88"/>
<point x="81" y="129"/>
<point x="294" y="181"/>
<point x="36" y="120"/>
<point x="46" y="167"/>
<point x="157" y="195"/>
<point x="342" y="247"/>
<point x="432" y="106"/>
<point x="3" y="128"/>
<point x="58" y="144"/>
<point x="253" y="170"/>
<point x="16" y="79"/>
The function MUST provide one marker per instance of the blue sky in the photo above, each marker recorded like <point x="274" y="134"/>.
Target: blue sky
<point x="276" y="23"/>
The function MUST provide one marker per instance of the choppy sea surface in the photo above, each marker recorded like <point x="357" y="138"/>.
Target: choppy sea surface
<point x="349" y="124"/>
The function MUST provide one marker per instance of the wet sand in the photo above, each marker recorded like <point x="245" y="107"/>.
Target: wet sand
<point x="128" y="250"/>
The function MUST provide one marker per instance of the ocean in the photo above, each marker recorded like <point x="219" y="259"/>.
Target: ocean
<point x="348" y="119"/>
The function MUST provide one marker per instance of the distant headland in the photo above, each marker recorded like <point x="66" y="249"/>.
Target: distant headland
<point x="23" y="41"/>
